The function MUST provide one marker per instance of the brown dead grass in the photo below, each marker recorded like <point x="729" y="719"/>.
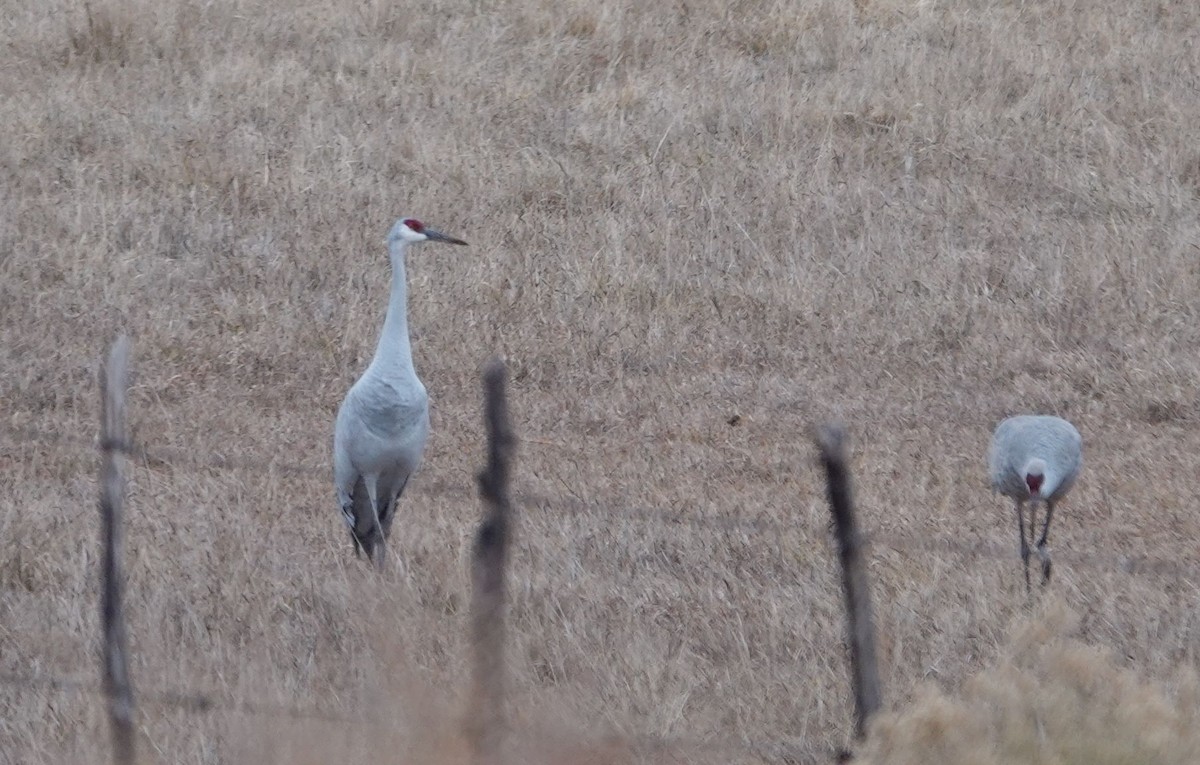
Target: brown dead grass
<point x="918" y="216"/>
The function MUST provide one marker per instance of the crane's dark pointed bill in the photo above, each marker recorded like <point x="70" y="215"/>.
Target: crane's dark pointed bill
<point x="438" y="236"/>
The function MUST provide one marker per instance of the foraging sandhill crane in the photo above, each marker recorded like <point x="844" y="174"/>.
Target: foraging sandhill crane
<point x="1035" y="458"/>
<point x="383" y="422"/>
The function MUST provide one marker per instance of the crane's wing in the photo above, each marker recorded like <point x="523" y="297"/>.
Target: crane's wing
<point x="353" y="498"/>
<point x="1000" y="458"/>
<point x="1067" y="454"/>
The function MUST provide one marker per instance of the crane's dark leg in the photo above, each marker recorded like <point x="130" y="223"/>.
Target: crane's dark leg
<point x="348" y="514"/>
<point x="372" y="541"/>
<point x="377" y="540"/>
<point x="366" y="544"/>
<point x="356" y="511"/>
<point x="389" y="512"/>
<point x="1043" y="553"/>
<point x="363" y="543"/>
<point x="1024" y="542"/>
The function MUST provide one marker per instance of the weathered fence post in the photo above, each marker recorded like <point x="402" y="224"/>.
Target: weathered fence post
<point x="863" y="669"/>
<point x="113" y="446"/>
<point x="485" y="723"/>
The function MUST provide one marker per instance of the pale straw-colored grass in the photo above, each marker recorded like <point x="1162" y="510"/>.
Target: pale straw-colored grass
<point x="918" y="216"/>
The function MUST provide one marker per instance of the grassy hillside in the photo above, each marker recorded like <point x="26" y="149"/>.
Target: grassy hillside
<point x="917" y="216"/>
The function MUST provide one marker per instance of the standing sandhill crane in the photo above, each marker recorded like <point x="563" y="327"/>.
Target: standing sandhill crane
<point x="383" y="422"/>
<point x="1035" y="458"/>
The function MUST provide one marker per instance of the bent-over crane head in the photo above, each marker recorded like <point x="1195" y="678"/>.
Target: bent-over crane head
<point x="1035" y="476"/>
<point x="411" y="231"/>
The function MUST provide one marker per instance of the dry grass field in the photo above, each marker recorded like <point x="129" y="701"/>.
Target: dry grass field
<point x="916" y="216"/>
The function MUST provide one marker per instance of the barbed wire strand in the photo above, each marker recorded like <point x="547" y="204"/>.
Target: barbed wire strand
<point x="166" y="457"/>
<point x="189" y="701"/>
<point x="200" y="702"/>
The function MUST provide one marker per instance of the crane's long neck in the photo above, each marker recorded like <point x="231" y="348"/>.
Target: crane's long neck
<point x="393" y="355"/>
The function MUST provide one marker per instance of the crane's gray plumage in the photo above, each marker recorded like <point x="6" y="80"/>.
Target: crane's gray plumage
<point x="383" y="423"/>
<point x="1035" y="458"/>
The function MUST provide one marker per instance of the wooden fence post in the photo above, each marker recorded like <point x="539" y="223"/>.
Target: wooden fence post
<point x="861" y="627"/>
<point x="113" y="446"/>
<point x="485" y="723"/>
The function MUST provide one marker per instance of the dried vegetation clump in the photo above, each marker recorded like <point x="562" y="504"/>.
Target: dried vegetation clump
<point x="1049" y="699"/>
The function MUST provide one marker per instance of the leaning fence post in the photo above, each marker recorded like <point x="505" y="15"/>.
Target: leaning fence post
<point x="113" y="446"/>
<point x="861" y="627"/>
<point x="485" y="722"/>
